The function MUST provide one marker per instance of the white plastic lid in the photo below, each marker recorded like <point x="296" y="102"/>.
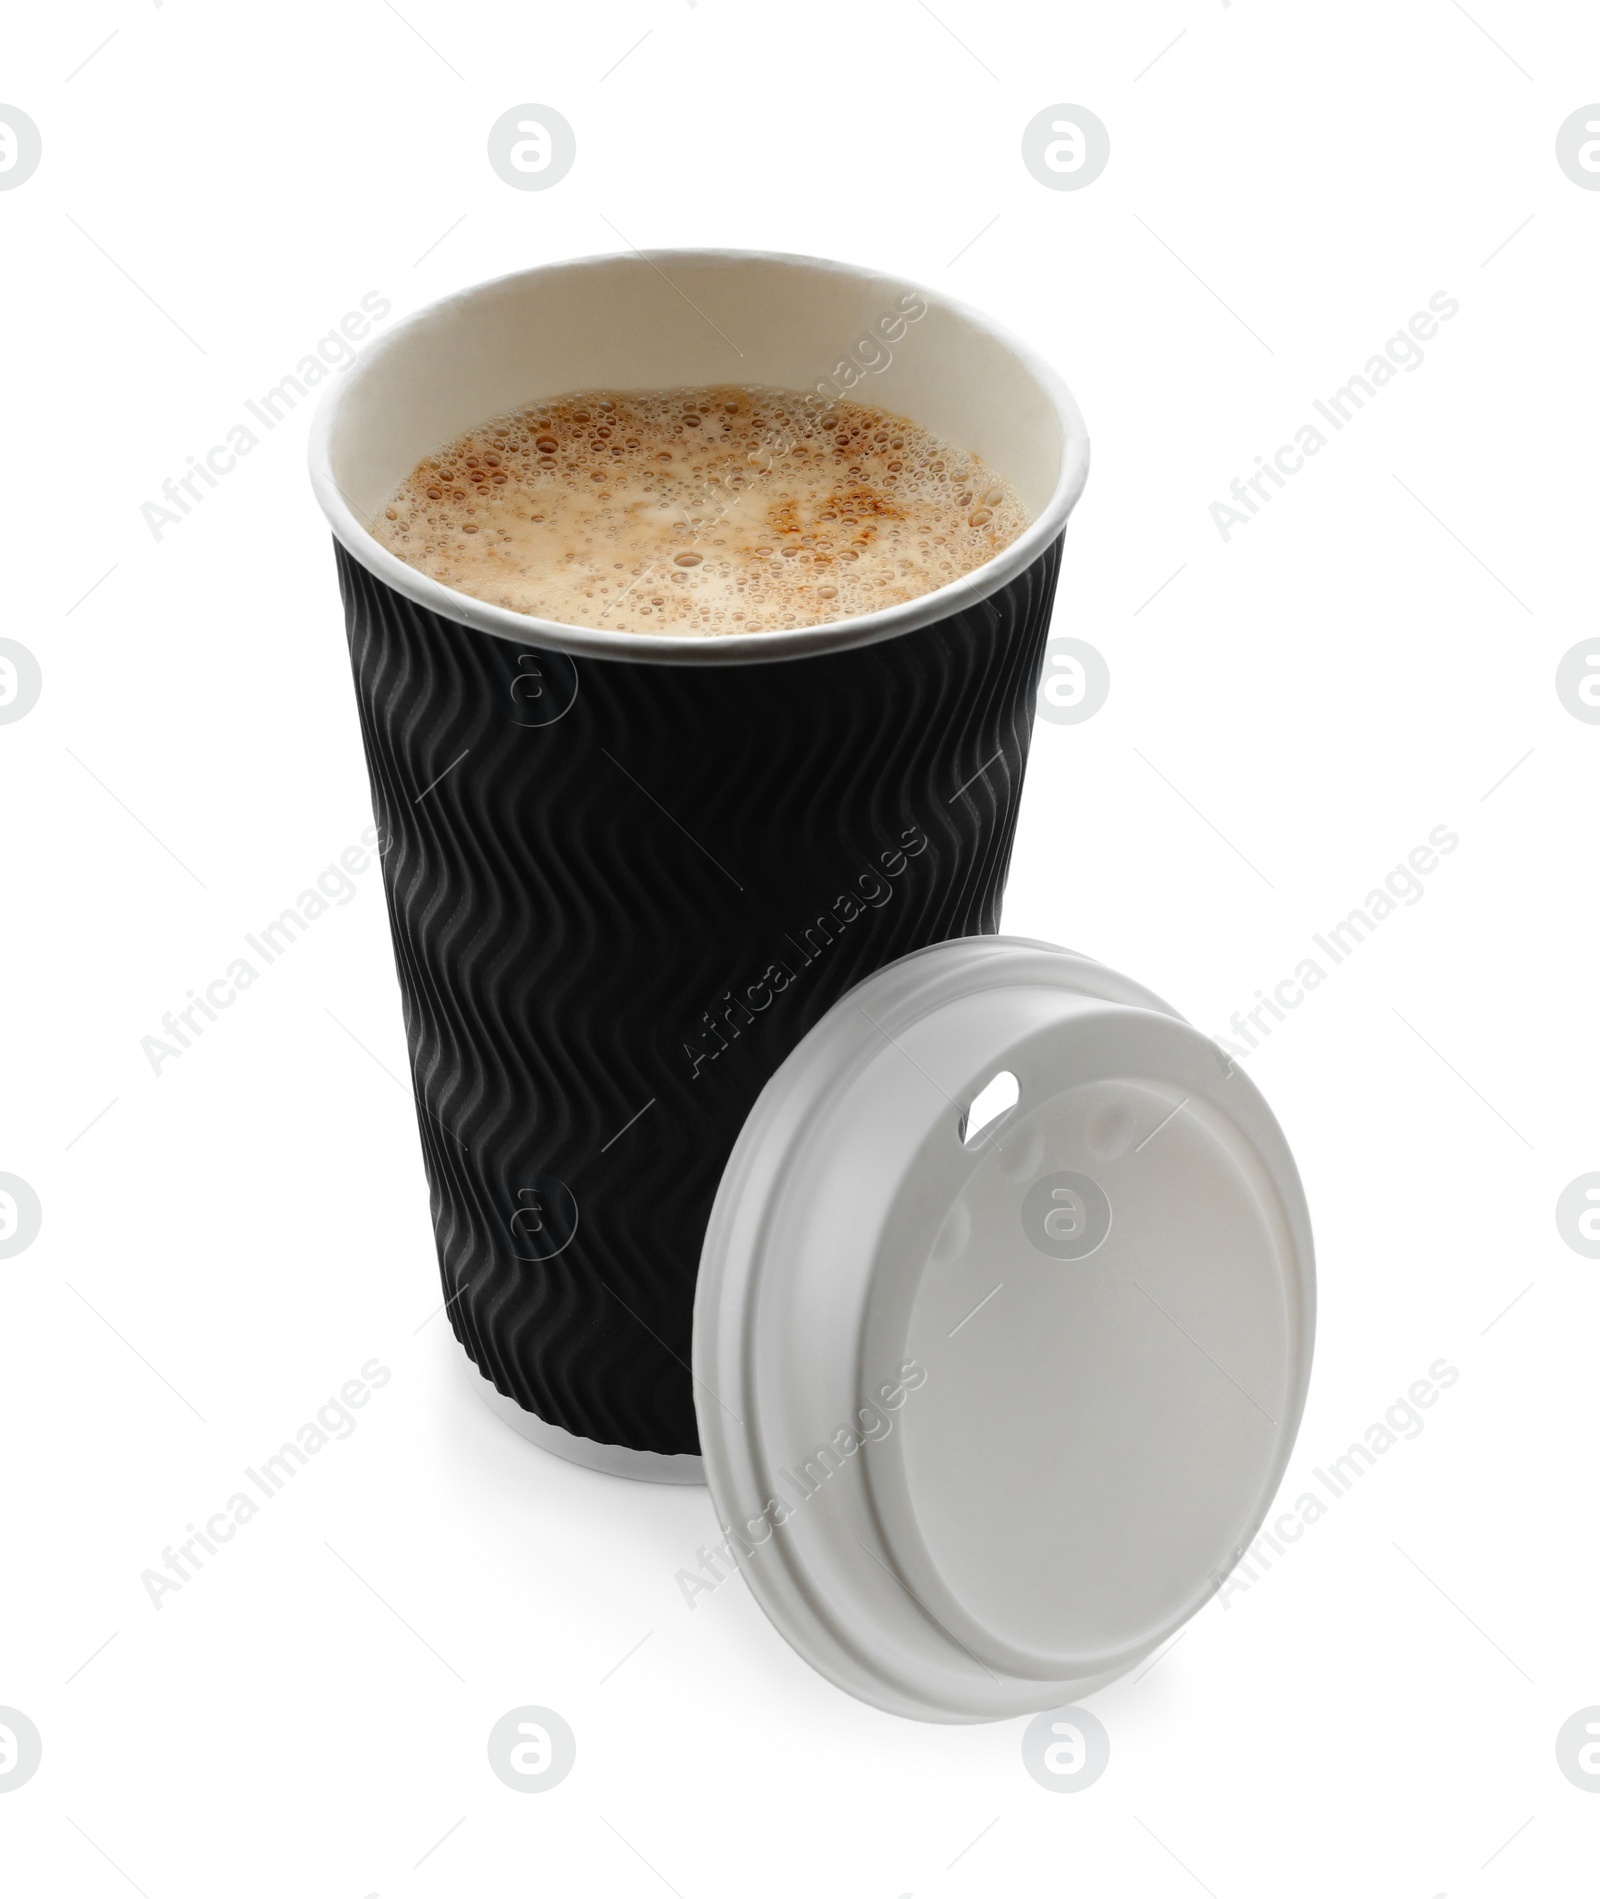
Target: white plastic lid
<point x="986" y="1421"/>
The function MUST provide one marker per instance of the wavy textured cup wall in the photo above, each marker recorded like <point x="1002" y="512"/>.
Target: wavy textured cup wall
<point x="644" y="884"/>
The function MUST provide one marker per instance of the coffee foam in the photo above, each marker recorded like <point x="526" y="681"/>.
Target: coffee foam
<point x="698" y="512"/>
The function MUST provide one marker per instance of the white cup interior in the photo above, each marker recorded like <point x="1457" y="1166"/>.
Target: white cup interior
<point x="669" y="319"/>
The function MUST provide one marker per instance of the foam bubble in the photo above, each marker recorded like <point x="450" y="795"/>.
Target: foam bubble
<point x="699" y="512"/>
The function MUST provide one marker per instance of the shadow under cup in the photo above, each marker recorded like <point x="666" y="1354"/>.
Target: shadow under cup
<point x="627" y="873"/>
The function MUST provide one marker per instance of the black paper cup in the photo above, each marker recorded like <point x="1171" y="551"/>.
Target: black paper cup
<point x="627" y="873"/>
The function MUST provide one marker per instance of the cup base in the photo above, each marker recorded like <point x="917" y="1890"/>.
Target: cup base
<point x="616" y="1460"/>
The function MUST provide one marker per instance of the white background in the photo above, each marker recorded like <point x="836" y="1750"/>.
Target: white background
<point x="1366" y="660"/>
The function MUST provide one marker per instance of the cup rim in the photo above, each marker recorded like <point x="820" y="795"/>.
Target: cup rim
<point x="832" y="636"/>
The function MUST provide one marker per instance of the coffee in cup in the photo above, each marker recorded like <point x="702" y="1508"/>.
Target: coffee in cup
<point x="699" y="511"/>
